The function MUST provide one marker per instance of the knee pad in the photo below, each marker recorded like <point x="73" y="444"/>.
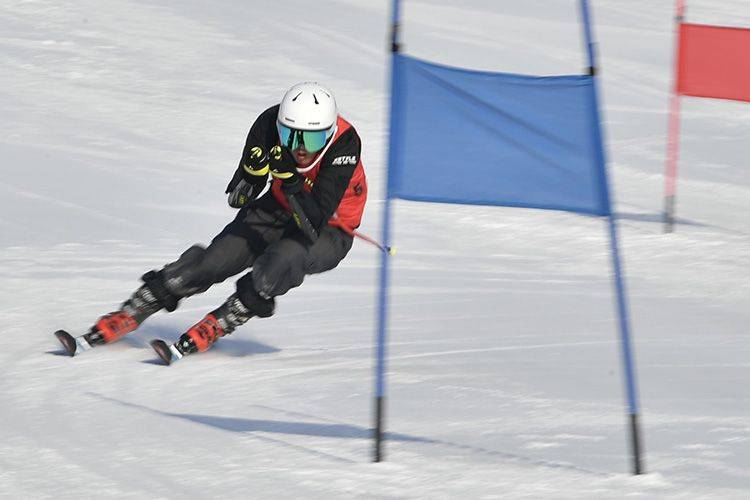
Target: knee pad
<point x="250" y="298"/>
<point x="154" y="280"/>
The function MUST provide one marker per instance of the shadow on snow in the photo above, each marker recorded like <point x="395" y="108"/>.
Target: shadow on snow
<point x="333" y="430"/>
<point x="657" y="218"/>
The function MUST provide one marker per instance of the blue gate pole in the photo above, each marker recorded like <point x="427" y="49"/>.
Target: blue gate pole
<point x="622" y="307"/>
<point x="385" y="238"/>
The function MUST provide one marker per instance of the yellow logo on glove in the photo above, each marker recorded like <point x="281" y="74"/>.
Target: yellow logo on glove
<point x="256" y="154"/>
<point x="275" y="154"/>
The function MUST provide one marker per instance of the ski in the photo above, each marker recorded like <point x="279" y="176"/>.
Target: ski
<point x="75" y="345"/>
<point x="72" y="344"/>
<point x="168" y="353"/>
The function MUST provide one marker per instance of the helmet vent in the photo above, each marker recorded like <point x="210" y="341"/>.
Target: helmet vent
<point x="315" y="98"/>
<point x="295" y="97"/>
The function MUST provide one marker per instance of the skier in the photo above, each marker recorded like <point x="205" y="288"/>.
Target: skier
<point x="300" y="188"/>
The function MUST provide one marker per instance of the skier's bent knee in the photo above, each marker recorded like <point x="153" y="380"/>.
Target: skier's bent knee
<point x="258" y="305"/>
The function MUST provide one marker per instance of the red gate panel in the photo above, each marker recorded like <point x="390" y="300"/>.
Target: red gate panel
<point x="714" y="61"/>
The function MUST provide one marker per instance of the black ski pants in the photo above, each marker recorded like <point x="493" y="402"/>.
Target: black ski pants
<point x="257" y="240"/>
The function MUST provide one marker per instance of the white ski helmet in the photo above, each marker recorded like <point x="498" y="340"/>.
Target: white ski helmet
<point x="308" y="106"/>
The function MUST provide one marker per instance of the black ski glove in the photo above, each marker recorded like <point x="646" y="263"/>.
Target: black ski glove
<point x="249" y="176"/>
<point x="283" y="166"/>
<point x="241" y="194"/>
<point x="255" y="166"/>
<point x="253" y="169"/>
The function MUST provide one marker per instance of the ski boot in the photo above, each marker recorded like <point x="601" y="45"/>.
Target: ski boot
<point x="147" y="300"/>
<point x="201" y="336"/>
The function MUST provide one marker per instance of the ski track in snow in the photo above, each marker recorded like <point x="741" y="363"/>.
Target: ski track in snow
<point x="123" y="122"/>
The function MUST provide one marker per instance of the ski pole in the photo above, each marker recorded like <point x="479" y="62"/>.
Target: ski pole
<point x="351" y="232"/>
<point x="301" y="218"/>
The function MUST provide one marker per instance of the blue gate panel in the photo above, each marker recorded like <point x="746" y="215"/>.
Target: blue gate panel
<point x="471" y="137"/>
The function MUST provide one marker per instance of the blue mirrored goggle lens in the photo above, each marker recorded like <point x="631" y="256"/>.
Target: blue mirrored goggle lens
<point x="285" y="135"/>
<point x="312" y="140"/>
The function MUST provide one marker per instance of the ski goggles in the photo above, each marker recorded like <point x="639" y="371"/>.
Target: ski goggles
<point x="312" y="140"/>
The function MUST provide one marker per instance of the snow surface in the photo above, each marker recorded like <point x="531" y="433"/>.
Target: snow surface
<point x="122" y="122"/>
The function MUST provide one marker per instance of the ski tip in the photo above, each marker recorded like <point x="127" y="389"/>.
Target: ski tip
<point x="162" y="349"/>
<point x="67" y="341"/>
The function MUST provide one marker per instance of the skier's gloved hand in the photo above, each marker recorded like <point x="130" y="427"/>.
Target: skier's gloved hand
<point x="253" y="169"/>
<point x="250" y="175"/>
<point x="255" y="166"/>
<point x="283" y="166"/>
<point x="236" y="178"/>
<point x="241" y="194"/>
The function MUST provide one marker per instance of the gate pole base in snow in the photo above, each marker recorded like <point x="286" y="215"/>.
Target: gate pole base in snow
<point x="635" y="432"/>
<point x="669" y="214"/>
<point x="378" y="455"/>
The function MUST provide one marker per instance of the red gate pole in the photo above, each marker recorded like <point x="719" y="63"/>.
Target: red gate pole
<point x="673" y="139"/>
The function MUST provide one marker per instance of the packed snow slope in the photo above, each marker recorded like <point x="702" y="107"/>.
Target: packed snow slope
<point x="122" y="122"/>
